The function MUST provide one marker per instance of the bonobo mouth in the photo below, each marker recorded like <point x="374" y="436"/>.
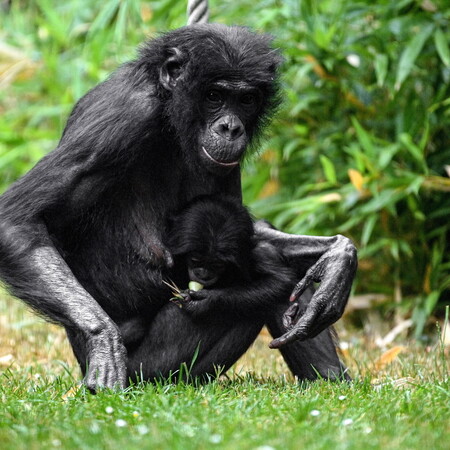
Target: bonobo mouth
<point x="220" y="163"/>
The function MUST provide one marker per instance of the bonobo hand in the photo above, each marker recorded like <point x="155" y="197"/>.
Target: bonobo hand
<point x="106" y="356"/>
<point x="335" y="271"/>
<point x="196" y="302"/>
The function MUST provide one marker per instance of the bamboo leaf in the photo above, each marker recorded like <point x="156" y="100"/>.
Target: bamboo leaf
<point x="367" y="229"/>
<point x="121" y="23"/>
<point x="328" y="168"/>
<point x="416" y="152"/>
<point x="364" y="137"/>
<point x="381" y="68"/>
<point x="431" y="301"/>
<point x="385" y="157"/>
<point x="442" y="46"/>
<point x="56" y="25"/>
<point x="105" y="16"/>
<point x="410" y="54"/>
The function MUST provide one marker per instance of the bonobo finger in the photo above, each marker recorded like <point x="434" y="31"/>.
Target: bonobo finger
<point x="293" y="335"/>
<point x="196" y="309"/>
<point x="106" y="361"/>
<point x="91" y="383"/>
<point x="300" y="287"/>
<point x="108" y="378"/>
<point x="199" y="295"/>
<point x="182" y="299"/>
<point x="289" y="316"/>
<point x="299" y="332"/>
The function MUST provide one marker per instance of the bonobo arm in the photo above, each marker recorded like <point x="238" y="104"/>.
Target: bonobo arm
<point x="93" y="150"/>
<point x="330" y="261"/>
<point x="36" y="273"/>
<point x="271" y="279"/>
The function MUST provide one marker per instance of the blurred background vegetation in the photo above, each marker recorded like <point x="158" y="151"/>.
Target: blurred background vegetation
<point x="361" y="145"/>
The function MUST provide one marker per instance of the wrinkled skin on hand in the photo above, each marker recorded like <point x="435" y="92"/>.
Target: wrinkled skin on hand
<point x="334" y="267"/>
<point x="106" y="362"/>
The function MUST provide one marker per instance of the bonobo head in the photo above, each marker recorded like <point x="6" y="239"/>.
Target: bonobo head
<point x="217" y="85"/>
<point x="213" y="238"/>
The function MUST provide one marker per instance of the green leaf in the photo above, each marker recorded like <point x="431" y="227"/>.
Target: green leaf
<point x="425" y="136"/>
<point x="395" y="251"/>
<point x="415" y="185"/>
<point x="105" y="16"/>
<point x="290" y="148"/>
<point x="416" y="152"/>
<point x="442" y="46"/>
<point x="328" y="168"/>
<point x="12" y="155"/>
<point x="366" y="142"/>
<point x="386" y="155"/>
<point x="368" y="228"/>
<point x="54" y="22"/>
<point x="381" y="68"/>
<point x="121" y="23"/>
<point x="323" y="33"/>
<point x="431" y="301"/>
<point x="384" y="199"/>
<point x="359" y="159"/>
<point x="410" y="54"/>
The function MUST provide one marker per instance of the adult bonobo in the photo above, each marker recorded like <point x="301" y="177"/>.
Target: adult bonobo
<point x="81" y="234"/>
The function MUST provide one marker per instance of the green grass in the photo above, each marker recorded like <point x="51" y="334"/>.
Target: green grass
<point x="241" y="413"/>
<point x="403" y="403"/>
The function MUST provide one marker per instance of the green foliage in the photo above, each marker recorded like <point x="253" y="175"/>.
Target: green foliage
<point x="360" y="144"/>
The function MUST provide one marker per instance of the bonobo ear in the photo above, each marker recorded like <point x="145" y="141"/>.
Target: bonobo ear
<point x="172" y="69"/>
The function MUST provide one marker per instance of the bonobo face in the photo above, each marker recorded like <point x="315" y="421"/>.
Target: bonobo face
<point x="228" y="112"/>
<point x="203" y="271"/>
<point x="219" y="88"/>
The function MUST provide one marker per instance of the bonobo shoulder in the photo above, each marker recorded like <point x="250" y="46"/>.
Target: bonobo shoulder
<point x="264" y="249"/>
<point x="130" y="81"/>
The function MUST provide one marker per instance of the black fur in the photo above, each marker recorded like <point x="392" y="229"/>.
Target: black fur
<point x="219" y="234"/>
<point x="214" y="236"/>
<point x="212" y="242"/>
<point x="81" y="234"/>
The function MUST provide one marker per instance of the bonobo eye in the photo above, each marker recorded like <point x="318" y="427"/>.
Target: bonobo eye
<point x="248" y="99"/>
<point x="214" y="96"/>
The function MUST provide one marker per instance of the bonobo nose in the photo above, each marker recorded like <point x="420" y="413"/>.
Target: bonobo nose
<point x="204" y="276"/>
<point x="201" y="273"/>
<point x="229" y="127"/>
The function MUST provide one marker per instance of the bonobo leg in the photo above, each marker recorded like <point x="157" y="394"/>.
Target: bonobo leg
<point x="313" y="358"/>
<point x="207" y="344"/>
<point x="211" y="344"/>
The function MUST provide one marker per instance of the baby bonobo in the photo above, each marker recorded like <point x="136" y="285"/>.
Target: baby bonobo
<point x="218" y="266"/>
<point x="211" y="243"/>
